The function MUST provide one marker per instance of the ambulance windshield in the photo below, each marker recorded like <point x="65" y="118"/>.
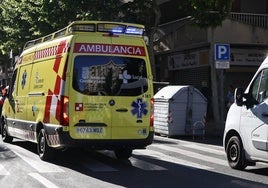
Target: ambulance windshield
<point x="110" y="76"/>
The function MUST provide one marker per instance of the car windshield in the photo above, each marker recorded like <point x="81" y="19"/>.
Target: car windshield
<point x="110" y="76"/>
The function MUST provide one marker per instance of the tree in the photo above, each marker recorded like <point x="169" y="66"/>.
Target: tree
<point x="210" y="13"/>
<point x="24" y="20"/>
<point x="146" y="12"/>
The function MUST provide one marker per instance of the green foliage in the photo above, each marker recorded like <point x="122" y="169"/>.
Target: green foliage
<point x="208" y="13"/>
<point x="23" y="20"/>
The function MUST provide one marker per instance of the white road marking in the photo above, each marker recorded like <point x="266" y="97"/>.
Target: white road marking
<point x="163" y="157"/>
<point x="204" y="148"/>
<point x="43" y="180"/>
<point x="141" y="164"/>
<point x="192" y="154"/>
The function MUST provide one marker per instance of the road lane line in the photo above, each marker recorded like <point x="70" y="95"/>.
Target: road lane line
<point x="162" y="157"/>
<point x="192" y="154"/>
<point x="43" y="180"/>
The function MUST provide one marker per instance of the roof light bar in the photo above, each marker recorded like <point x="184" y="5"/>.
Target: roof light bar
<point x="109" y="27"/>
<point x="119" y="29"/>
<point x="83" y="28"/>
<point x="134" y="30"/>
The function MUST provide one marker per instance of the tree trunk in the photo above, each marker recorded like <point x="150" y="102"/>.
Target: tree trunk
<point x="214" y="88"/>
<point x="151" y="37"/>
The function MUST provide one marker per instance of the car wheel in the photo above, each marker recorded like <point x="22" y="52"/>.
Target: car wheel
<point x="4" y="133"/>
<point x="44" y="151"/>
<point x="235" y="154"/>
<point x="123" y="153"/>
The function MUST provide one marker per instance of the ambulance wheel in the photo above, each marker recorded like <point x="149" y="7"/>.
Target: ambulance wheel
<point x="123" y="153"/>
<point x="44" y="151"/>
<point x="235" y="154"/>
<point x="4" y="133"/>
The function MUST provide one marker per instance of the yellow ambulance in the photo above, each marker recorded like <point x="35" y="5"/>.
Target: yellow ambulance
<point x="88" y="84"/>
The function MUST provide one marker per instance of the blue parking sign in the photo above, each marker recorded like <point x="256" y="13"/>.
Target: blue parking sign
<point x="222" y="52"/>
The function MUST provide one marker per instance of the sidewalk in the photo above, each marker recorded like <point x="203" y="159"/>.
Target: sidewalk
<point x="213" y="134"/>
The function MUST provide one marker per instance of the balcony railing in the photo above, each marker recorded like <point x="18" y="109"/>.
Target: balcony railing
<point x="259" y="20"/>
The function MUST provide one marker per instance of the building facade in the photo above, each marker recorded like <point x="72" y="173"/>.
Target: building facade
<point x="184" y="52"/>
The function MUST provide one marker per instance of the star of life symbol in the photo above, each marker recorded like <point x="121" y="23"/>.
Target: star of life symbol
<point x="139" y="108"/>
<point x="125" y="77"/>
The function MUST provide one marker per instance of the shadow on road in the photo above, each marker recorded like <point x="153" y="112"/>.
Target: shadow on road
<point x="127" y="173"/>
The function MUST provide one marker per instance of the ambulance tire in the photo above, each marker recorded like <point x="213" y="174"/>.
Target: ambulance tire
<point x="235" y="154"/>
<point x="4" y="133"/>
<point x="123" y="153"/>
<point x="44" y="151"/>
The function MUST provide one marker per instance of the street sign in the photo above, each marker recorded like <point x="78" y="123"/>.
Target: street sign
<point x="222" y="56"/>
<point x="222" y="52"/>
<point x="222" y="65"/>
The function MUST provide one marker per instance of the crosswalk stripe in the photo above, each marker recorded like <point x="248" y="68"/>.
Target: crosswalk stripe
<point x="152" y="151"/>
<point x="192" y="154"/>
<point x="3" y="171"/>
<point x="137" y="163"/>
<point x="167" y="158"/>
<point x="204" y="148"/>
<point x="186" y="142"/>
<point x="141" y="164"/>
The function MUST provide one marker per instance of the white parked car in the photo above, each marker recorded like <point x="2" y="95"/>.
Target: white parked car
<point x="246" y="130"/>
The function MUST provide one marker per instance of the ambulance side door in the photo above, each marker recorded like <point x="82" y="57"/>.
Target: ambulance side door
<point x="9" y="104"/>
<point x="20" y="122"/>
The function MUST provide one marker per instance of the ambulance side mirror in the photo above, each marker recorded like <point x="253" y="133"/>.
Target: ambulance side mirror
<point x="7" y="95"/>
<point x="238" y="96"/>
<point x="8" y="92"/>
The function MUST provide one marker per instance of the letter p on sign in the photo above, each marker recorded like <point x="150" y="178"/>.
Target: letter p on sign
<point x="222" y="52"/>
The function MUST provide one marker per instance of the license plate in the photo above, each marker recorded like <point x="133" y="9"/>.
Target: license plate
<point x="87" y="130"/>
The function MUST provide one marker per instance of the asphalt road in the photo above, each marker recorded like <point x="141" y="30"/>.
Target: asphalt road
<point x="168" y="162"/>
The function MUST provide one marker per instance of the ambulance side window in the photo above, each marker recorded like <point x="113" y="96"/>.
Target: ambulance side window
<point x="259" y="88"/>
<point x="12" y="83"/>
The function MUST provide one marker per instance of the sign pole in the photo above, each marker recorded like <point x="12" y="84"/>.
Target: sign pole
<point x="222" y="60"/>
<point x="222" y="95"/>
